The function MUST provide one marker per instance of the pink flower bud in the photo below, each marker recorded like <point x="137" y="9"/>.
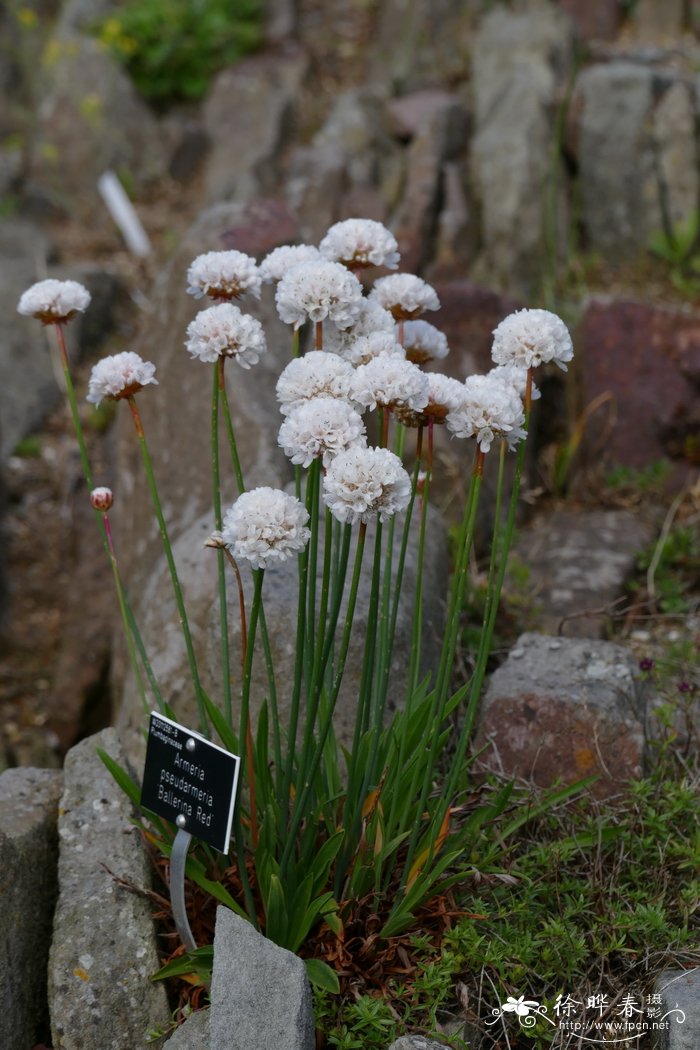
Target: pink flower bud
<point x="101" y="499"/>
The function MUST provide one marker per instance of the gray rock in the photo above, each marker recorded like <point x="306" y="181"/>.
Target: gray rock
<point x="28" y="886"/>
<point x="560" y="709"/>
<point x="315" y="185"/>
<point x="103" y="951"/>
<point x="520" y="60"/>
<point x="677" y="153"/>
<point x="620" y="198"/>
<point x="420" y="46"/>
<point x="416" y="1042"/>
<point x="457" y="228"/>
<point x="680" y="998"/>
<point x="90" y="119"/>
<point x="651" y="20"/>
<point x="246" y="137"/>
<point x="579" y="562"/>
<point x="193" y="1034"/>
<point x="260" y="993"/>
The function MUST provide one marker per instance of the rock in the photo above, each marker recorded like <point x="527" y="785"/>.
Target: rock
<point x="560" y="709"/>
<point x="103" y="951"/>
<point x="579" y="561"/>
<point x="520" y="63"/>
<point x="416" y="1042"/>
<point x="90" y="119"/>
<point x="246" y="137"/>
<point x="280" y="20"/>
<point x="457" y="229"/>
<point x="619" y="190"/>
<point x="409" y="114"/>
<point x="651" y="20"/>
<point x="439" y="138"/>
<point x="677" y="157"/>
<point x="193" y="1034"/>
<point x="260" y="994"/>
<point x="29" y="852"/>
<point x="421" y="46"/>
<point x="594" y="19"/>
<point x="633" y="352"/>
<point x="315" y="185"/>
<point x="680" y="1000"/>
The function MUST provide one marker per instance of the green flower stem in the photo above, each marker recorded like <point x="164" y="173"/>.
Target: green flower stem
<point x="231" y="439"/>
<point x="300" y="803"/>
<point x="319" y="335"/>
<point x="244" y="732"/>
<point x="313" y="483"/>
<point x="167" y="547"/>
<point x="295" y="342"/>
<point x="70" y="391"/>
<point x="299" y="663"/>
<point x="221" y="568"/>
<point x="417" y="619"/>
<point x="122" y="609"/>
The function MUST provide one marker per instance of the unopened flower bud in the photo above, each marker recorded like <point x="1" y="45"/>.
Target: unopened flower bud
<point x="101" y="499"/>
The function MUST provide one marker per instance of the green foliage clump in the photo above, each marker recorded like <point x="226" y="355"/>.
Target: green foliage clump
<point x="677" y="569"/>
<point x="172" y="48"/>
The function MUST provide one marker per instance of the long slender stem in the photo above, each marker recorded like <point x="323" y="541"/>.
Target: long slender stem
<point x="245" y="731"/>
<point x="221" y="568"/>
<point x="122" y="609"/>
<point x="167" y="547"/>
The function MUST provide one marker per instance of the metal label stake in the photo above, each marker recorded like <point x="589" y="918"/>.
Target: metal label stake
<point x="178" y="860"/>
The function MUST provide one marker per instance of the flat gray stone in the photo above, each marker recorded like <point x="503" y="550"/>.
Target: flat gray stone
<point x="260" y="993"/>
<point x="193" y="1034"/>
<point x="28" y="886"/>
<point x="674" y="138"/>
<point x="579" y="562"/>
<point x="561" y="709"/>
<point x="103" y="951"/>
<point x="416" y="1042"/>
<point x="680" y="999"/>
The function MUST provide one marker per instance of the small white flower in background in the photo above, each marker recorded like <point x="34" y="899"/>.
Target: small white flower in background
<point x="517" y="377"/>
<point x="54" y="302"/>
<point x="101" y="499"/>
<point x="275" y="265"/>
<point x="371" y="319"/>
<point x="265" y="526"/>
<point x="529" y="338"/>
<point x="488" y="409"/>
<point x="119" y="376"/>
<point x="390" y="381"/>
<point x="365" y="348"/>
<point x="357" y="243"/>
<point x="404" y="295"/>
<point x="224" y="275"/>
<point x="320" y="429"/>
<point x="317" y="291"/>
<point x="366" y="481"/>
<point x="423" y="342"/>
<point x="224" y="331"/>
<point x="317" y="374"/>
<point x="444" y="395"/>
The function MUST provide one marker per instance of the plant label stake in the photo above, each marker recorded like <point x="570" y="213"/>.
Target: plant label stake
<point x="191" y="782"/>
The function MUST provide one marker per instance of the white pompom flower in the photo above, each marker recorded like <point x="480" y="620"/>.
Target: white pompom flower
<point x="321" y="429"/>
<point x="371" y="319"/>
<point x="358" y="243"/>
<point x="404" y="295"/>
<point x="225" y="331"/>
<point x="390" y="381"/>
<point x="424" y="342"/>
<point x="53" y="301"/>
<point x="318" y="291"/>
<point x="528" y="338"/>
<point x="275" y="265"/>
<point x="444" y="395"/>
<point x="517" y="377"/>
<point x="363" y="482"/>
<point x="119" y="376"/>
<point x="317" y="374"/>
<point x="488" y="409"/>
<point x="365" y="348"/>
<point x="224" y="275"/>
<point x="265" y="527"/>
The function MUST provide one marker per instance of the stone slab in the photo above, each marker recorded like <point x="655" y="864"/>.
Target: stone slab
<point x="679" y="991"/>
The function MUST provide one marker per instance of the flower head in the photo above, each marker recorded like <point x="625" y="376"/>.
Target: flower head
<point x="265" y="526"/>
<point x="316" y="374"/>
<point x="315" y="291"/>
<point x="223" y="275"/>
<point x="365" y="348"/>
<point x="404" y="295"/>
<point x="54" y="302"/>
<point x="517" y="377"/>
<point x="357" y="243"/>
<point x="370" y="319"/>
<point x="424" y="342"/>
<point x="101" y="499"/>
<point x="529" y="338"/>
<point x="275" y="265"/>
<point x="366" y="481"/>
<point x="224" y="331"/>
<point x="444" y="395"/>
<point x="320" y="429"/>
<point x="488" y="409"/>
<point x="390" y="381"/>
<point x="119" y="376"/>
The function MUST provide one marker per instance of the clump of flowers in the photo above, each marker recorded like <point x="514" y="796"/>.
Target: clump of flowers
<point x="365" y="348"/>
<point x="424" y="342"/>
<point x="405" y="296"/>
<point x="119" y="376"/>
<point x="53" y="301"/>
<point x="363" y="482"/>
<point x="318" y="291"/>
<point x="488" y="409"/>
<point x="390" y="381"/>
<point x="275" y="265"/>
<point x="317" y="374"/>
<point x="265" y="527"/>
<point x="320" y="429"/>
<point x="529" y="338"/>
<point x="358" y="243"/>
<point x="224" y="275"/>
<point x="224" y="331"/>
<point x="444" y="396"/>
<point x="370" y="320"/>
<point x="517" y="378"/>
